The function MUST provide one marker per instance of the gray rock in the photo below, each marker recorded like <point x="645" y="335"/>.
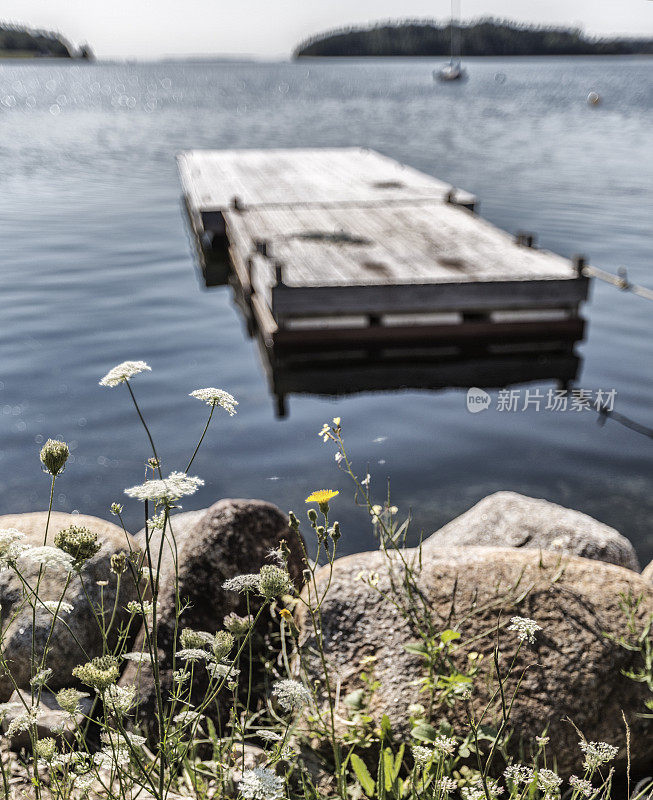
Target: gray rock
<point x="508" y="519"/>
<point x="647" y="573"/>
<point x="52" y="721"/>
<point x="75" y="633"/>
<point x="574" y="669"/>
<point x="233" y="537"/>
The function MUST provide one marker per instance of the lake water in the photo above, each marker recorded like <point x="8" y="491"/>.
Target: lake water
<point x="97" y="266"/>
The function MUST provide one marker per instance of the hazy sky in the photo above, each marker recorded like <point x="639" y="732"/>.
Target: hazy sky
<point x="152" y="28"/>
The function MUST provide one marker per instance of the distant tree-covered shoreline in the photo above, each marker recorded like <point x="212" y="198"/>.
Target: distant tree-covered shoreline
<point x="484" y="37"/>
<point x="18" y="41"/>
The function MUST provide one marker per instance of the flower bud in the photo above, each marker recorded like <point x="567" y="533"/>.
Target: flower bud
<point x="118" y="563"/>
<point x="273" y="581"/>
<point x="335" y="531"/>
<point x="116" y="509"/>
<point x="312" y="516"/>
<point x="78" y="542"/>
<point x="293" y="522"/>
<point x="222" y="644"/>
<point x="54" y="456"/>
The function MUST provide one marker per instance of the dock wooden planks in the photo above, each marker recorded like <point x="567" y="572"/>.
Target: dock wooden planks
<point x="343" y="246"/>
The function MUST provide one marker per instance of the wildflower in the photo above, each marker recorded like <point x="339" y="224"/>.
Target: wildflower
<point x="525" y="628"/>
<point x="47" y="557"/>
<point x="138" y="658"/>
<point x="236" y="625"/>
<point x="242" y="583"/>
<point x="445" y="745"/>
<point x="23" y="722"/>
<point x="118" y="563"/>
<point x="118" y="739"/>
<point x="548" y="782"/>
<point x="83" y="783"/>
<point x="216" y="397"/>
<point x="116" y="509"/>
<point x="277" y="556"/>
<point x="68" y="700"/>
<point x="222" y="671"/>
<point x="179" y="676"/>
<point x="542" y="740"/>
<point x="135" y="607"/>
<point x="166" y="490"/>
<point x="582" y="786"/>
<point x="54" y="455"/>
<point x="291" y="695"/>
<point x="325" y="432"/>
<point x="422" y="755"/>
<point x="158" y="521"/>
<point x="273" y="581"/>
<point x="187" y="717"/>
<point x="322" y="497"/>
<point x="123" y="372"/>
<point x="99" y="673"/>
<point x="261" y="784"/>
<point x="338" y="457"/>
<point x="597" y="753"/>
<point x="45" y="748"/>
<point x="191" y="639"/>
<point x="56" y="606"/>
<point x="11" y="547"/>
<point x="112" y="758"/>
<point x="193" y="654"/>
<point x="269" y="736"/>
<point x="519" y="774"/>
<point x="41" y="677"/>
<point x="80" y="543"/>
<point x="447" y="785"/>
<point x="222" y="644"/>
<point x="119" y="699"/>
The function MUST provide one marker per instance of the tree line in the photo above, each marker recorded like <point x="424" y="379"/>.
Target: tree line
<point x="485" y="37"/>
<point x="20" y="40"/>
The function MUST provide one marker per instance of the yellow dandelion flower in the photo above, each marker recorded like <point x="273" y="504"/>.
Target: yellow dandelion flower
<point x="285" y="615"/>
<point x="321" y="496"/>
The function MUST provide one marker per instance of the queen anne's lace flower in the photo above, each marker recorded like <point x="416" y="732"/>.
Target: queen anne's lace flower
<point x="119" y="699"/>
<point x="525" y="628"/>
<point x="54" y="606"/>
<point x="446" y="785"/>
<point x="445" y="745"/>
<point x="193" y="654"/>
<point x="138" y="658"/>
<point x="548" y="782"/>
<point x="216" y="397"/>
<point x="242" y="583"/>
<point x="519" y="774"/>
<point x="260" y="784"/>
<point x="268" y="736"/>
<point x="422" y="755"/>
<point x="166" y="490"/>
<point x="582" y="786"/>
<point x="49" y="557"/>
<point x="68" y="700"/>
<point x="291" y="695"/>
<point x="597" y="753"/>
<point x="187" y="717"/>
<point x="11" y="547"/>
<point x="123" y="372"/>
<point x="99" y="672"/>
<point x="41" y="677"/>
<point x="24" y="721"/>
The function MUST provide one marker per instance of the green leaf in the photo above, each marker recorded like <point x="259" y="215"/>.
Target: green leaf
<point x="424" y="732"/>
<point x="386" y="727"/>
<point x="417" y="648"/>
<point x="363" y="774"/>
<point x="398" y="762"/>
<point x="449" y="636"/>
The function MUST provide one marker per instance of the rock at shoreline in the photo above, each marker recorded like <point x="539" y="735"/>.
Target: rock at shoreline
<point x="52" y="720"/>
<point x="508" y="519"/>
<point x="65" y="652"/>
<point x="232" y="537"/>
<point x="647" y="573"/>
<point x="573" y="670"/>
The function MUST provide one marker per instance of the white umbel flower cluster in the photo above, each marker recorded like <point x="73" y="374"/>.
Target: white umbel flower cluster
<point x="11" y="547"/>
<point x="597" y="753"/>
<point x="119" y="699"/>
<point x="166" y="490"/>
<point x="54" y="606"/>
<point x="216" y="397"/>
<point x="422" y="755"/>
<point x="23" y="722"/>
<point x="445" y="745"/>
<point x="582" y="786"/>
<point x="123" y="372"/>
<point x="49" y="557"/>
<point x="291" y="695"/>
<point x="548" y="783"/>
<point x="519" y="774"/>
<point x="242" y="583"/>
<point x="525" y="628"/>
<point x="261" y="784"/>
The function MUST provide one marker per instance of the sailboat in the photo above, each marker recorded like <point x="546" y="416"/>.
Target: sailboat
<point x="453" y="71"/>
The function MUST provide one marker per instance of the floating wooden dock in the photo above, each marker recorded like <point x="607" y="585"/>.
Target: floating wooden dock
<point x="345" y="248"/>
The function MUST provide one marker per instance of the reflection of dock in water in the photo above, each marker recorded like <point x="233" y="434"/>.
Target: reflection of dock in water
<point x="358" y="274"/>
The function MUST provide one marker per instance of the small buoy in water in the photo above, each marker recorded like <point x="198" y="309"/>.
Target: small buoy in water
<point x="593" y="98"/>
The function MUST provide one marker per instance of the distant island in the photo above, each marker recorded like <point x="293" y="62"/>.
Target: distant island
<point x="484" y="37"/>
<point x="18" y="41"/>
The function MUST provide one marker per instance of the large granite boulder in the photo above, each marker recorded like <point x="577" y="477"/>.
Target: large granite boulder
<point x="647" y="573"/>
<point x="232" y="537"/>
<point x="508" y="519"/>
<point x="574" y="667"/>
<point x="76" y="632"/>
